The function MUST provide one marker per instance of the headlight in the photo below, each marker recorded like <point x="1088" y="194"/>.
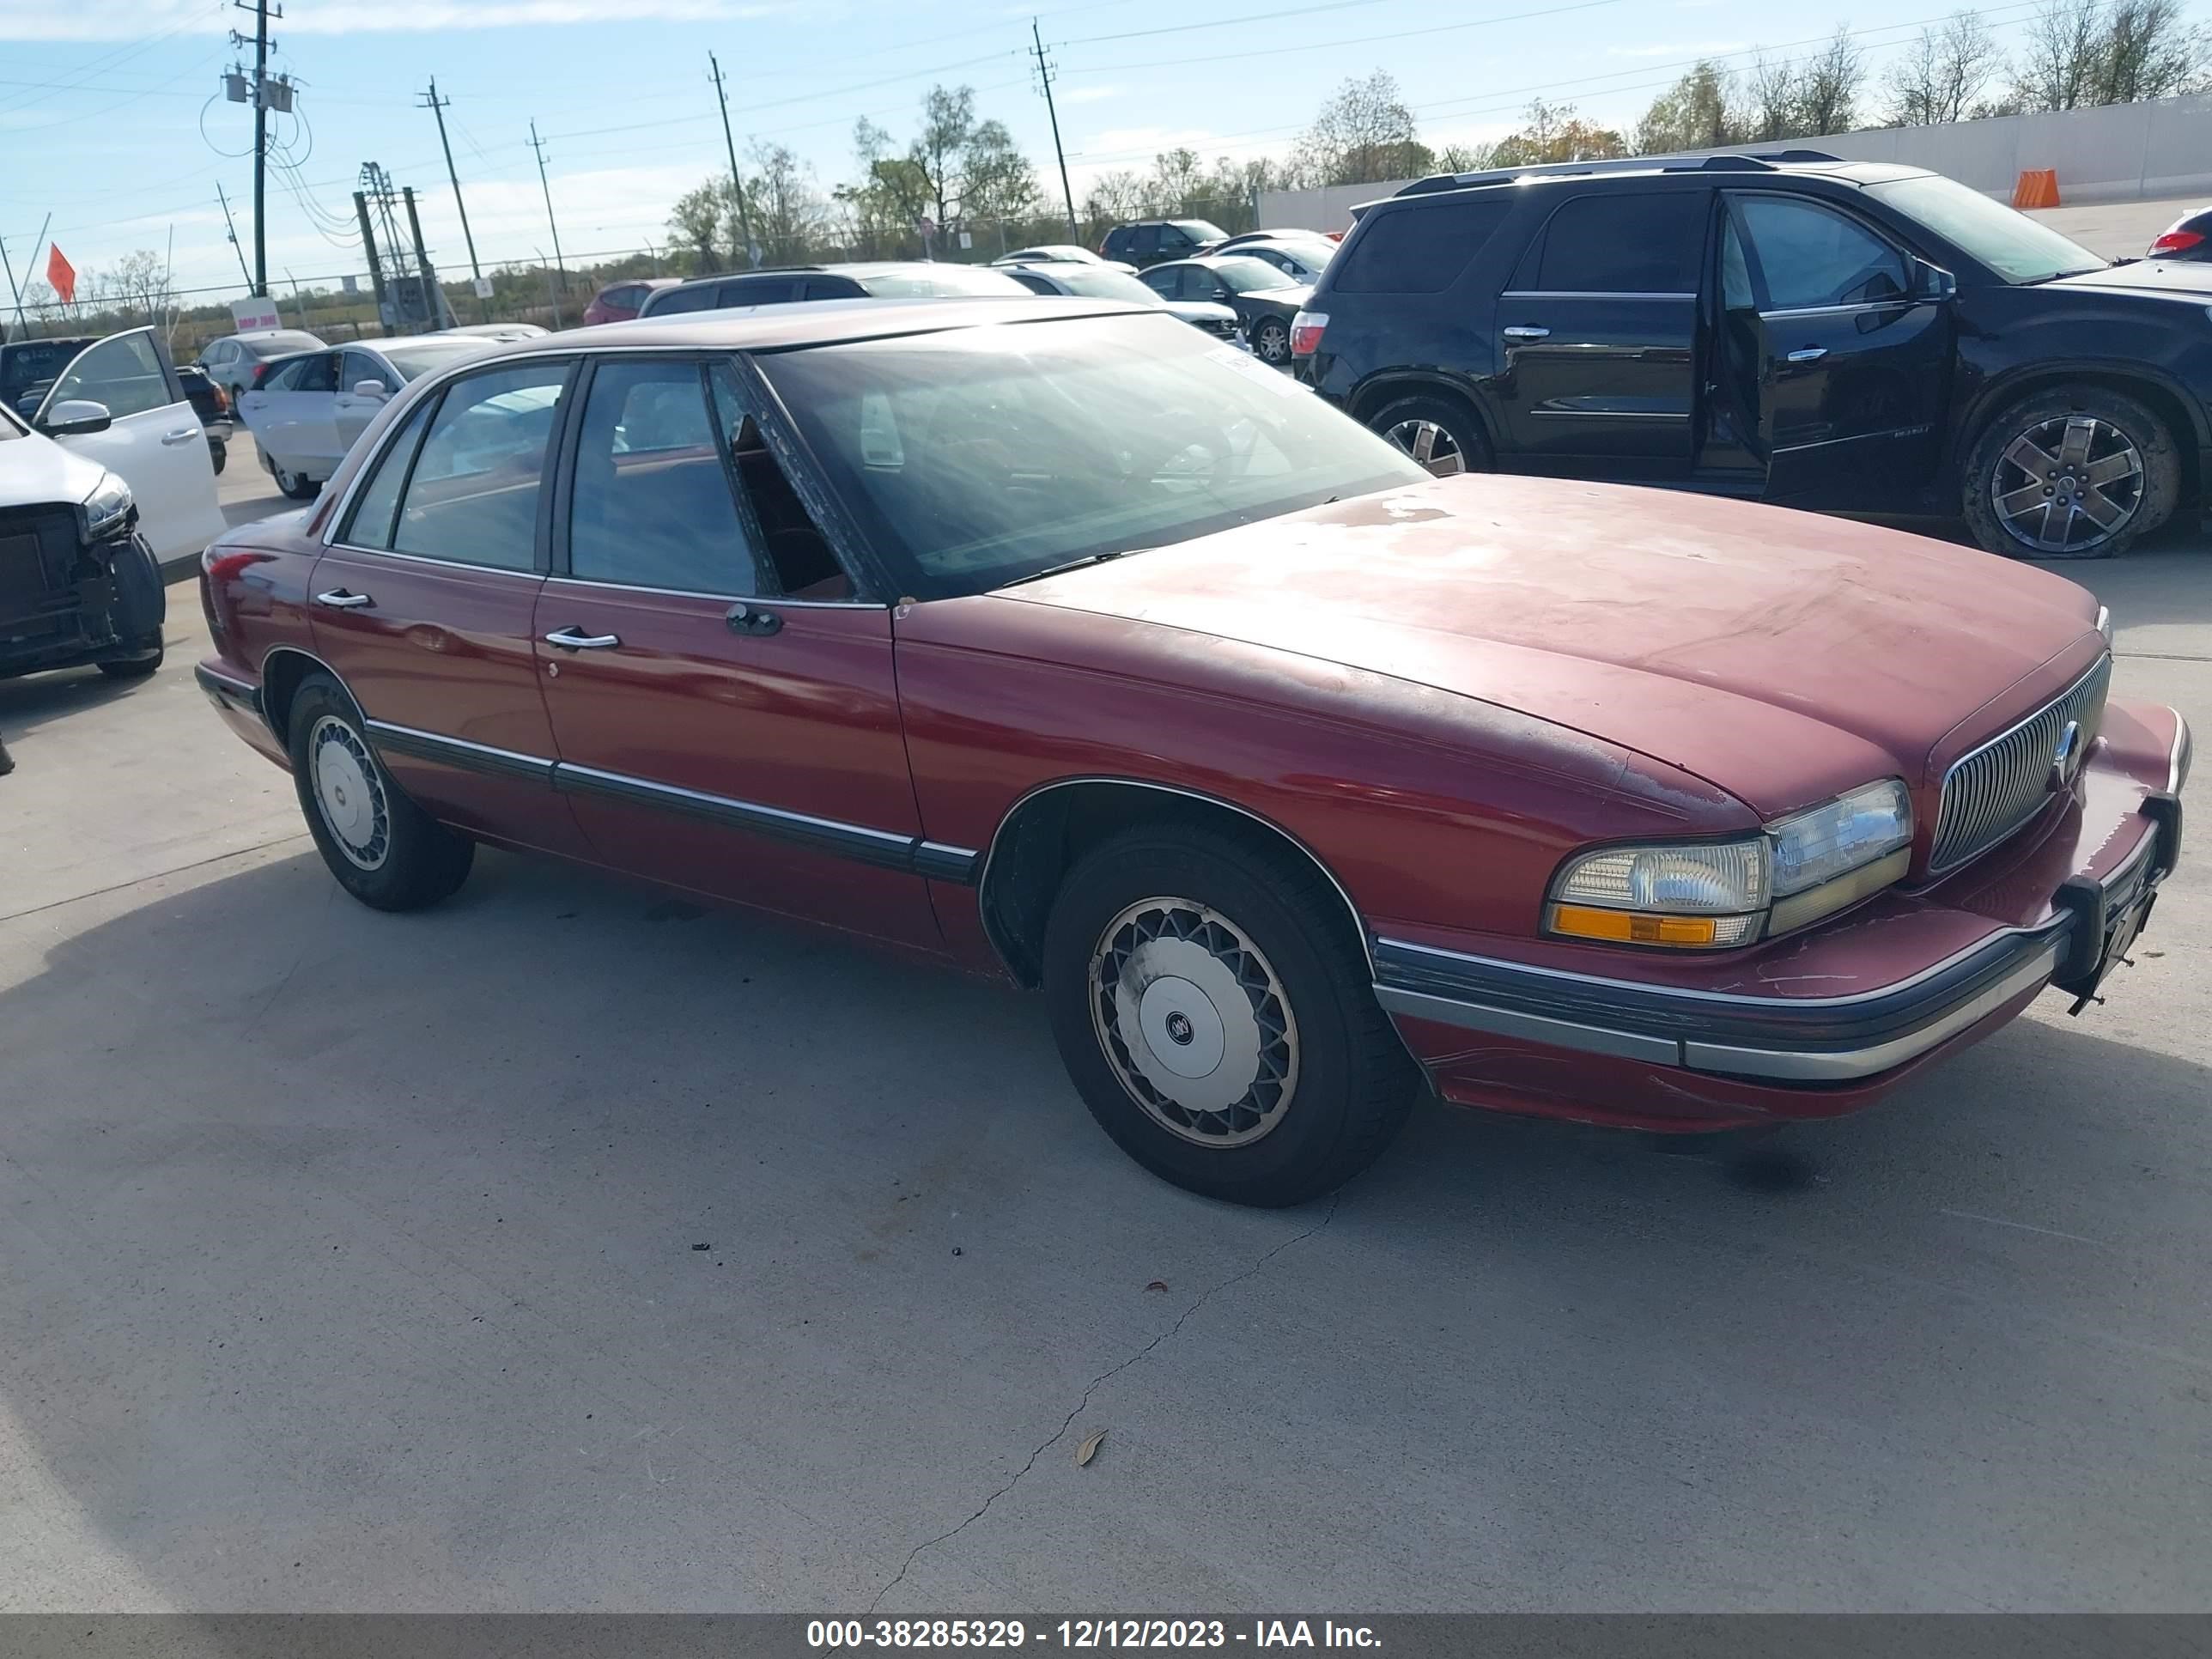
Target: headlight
<point x="2105" y="624"/>
<point x="107" y="507"/>
<point x="1716" y="894"/>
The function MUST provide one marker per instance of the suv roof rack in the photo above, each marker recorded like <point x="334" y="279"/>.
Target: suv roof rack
<point x="1729" y="161"/>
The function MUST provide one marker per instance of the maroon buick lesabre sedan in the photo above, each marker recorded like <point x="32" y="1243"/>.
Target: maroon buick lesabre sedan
<point x="1055" y="640"/>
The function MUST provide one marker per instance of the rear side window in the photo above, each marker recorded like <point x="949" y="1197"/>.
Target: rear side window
<point x="1643" y="243"/>
<point x="753" y="292"/>
<point x="1421" y="250"/>
<point x="685" y="299"/>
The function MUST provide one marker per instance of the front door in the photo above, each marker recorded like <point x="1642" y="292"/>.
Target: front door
<point x="424" y="599"/>
<point x="1597" y="337"/>
<point x="154" y="442"/>
<point x="351" y="410"/>
<point x="715" y="731"/>
<point x="1851" y="364"/>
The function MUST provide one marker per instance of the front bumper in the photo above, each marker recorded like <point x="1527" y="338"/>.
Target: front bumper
<point x="1689" y="1054"/>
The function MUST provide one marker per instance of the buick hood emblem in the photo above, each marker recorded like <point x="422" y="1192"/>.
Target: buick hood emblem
<point x="2066" y="758"/>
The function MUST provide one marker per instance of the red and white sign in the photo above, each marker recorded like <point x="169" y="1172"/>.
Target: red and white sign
<point x="251" y="316"/>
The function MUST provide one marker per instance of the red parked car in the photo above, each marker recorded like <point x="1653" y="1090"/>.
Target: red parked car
<point x="1052" y="639"/>
<point x="618" y="302"/>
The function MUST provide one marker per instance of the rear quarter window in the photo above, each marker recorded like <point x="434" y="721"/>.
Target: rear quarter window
<point x="1416" y="250"/>
<point x="1621" y="242"/>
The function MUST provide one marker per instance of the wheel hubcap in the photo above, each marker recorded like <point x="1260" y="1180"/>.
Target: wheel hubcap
<point x="2067" y="484"/>
<point x="1194" y="1020"/>
<point x="1273" y="343"/>
<point x="348" y="793"/>
<point x="1429" y="444"/>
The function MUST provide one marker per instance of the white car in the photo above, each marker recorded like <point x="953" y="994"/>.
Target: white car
<point x="108" y="479"/>
<point x="306" y="411"/>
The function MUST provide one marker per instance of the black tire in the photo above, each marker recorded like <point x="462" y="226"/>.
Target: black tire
<point x="1993" y="470"/>
<point x="1271" y="342"/>
<point x="402" y="858"/>
<point x="141" y="606"/>
<point x="135" y="667"/>
<point x="297" y="485"/>
<point x="1452" y="419"/>
<point x="1278" y="931"/>
<point x="218" y="452"/>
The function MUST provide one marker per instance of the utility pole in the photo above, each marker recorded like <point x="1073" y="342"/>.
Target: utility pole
<point x="737" y="178"/>
<point x="375" y="267"/>
<point x="1044" y="74"/>
<point x="262" y="102"/>
<point x="13" y="293"/>
<point x="438" y="107"/>
<point x="441" y="312"/>
<point x="231" y="231"/>
<point x="538" y="145"/>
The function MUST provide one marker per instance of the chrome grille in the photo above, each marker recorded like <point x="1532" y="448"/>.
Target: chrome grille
<point x="1991" y="792"/>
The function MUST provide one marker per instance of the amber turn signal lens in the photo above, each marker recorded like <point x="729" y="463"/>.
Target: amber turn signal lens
<point x="1583" y="921"/>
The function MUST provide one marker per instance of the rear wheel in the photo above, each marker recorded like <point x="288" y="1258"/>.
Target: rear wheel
<point x="1271" y="341"/>
<point x="2070" y="472"/>
<point x="384" y="849"/>
<point x="1216" y="1019"/>
<point x="1441" y="432"/>
<point x="297" y="485"/>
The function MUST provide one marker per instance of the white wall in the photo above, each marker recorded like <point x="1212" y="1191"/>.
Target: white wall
<point x="2121" y="153"/>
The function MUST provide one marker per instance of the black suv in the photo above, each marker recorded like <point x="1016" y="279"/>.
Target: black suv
<point x="1148" y="241"/>
<point x="1855" y="336"/>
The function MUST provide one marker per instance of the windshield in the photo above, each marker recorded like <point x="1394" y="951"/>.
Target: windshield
<point x="1103" y="283"/>
<point x="939" y="281"/>
<point x="976" y="457"/>
<point x="1244" y="275"/>
<point x="2015" y="246"/>
<point x="413" y="360"/>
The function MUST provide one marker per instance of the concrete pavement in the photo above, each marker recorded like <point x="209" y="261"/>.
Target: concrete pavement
<point x="2118" y="230"/>
<point x="350" y="1262"/>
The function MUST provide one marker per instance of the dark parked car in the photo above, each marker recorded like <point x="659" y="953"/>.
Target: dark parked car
<point x="213" y="408"/>
<point x="1097" y="281"/>
<point x="1790" y="327"/>
<point x="618" y="302"/>
<point x="1148" y="241"/>
<point x="786" y="285"/>
<point x="1049" y="638"/>
<point x="1266" y="301"/>
<point x="29" y="368"/>
<point x="2189" y="237"/>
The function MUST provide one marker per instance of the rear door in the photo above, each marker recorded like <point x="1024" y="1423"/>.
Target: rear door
<point x="716" y="729"/>
<point x="154" y="442"/>
<point x="1852" y="369"/>
<point x="423" y="598"/>
<point x="1597" y="335"/>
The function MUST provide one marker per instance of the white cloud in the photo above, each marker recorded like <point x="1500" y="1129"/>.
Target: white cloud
<point x="134" y="20"/>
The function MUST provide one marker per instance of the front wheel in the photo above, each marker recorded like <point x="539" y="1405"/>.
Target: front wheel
<point x="1217" y="1018"/>
<point x="384" y="849"/>
<point x="1441" y="432"/>
<point x="2071" y="472"/>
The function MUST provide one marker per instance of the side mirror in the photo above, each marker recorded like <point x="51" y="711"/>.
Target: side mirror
<point x="76" y="418"/>
<point x="1933" y="281"/>
<point x="369" y="389"/>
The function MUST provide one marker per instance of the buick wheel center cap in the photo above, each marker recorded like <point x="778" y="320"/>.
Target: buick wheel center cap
<point x="1181" y="1027"/>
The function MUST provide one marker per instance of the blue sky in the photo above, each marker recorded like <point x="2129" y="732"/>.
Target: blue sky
<point x="105" y="117"/>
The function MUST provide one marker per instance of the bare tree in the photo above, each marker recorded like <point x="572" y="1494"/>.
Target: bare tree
<point x="788" y="211"/>
<point x="2149" y="52"/>
<point x="136" y="283"/>
<point x="2058" y="66"/>
<point x="1828" y="86"/>
<point x="1698" y="112"/>
<point x="1940" y="75"/>
<point x="1771" y="98"/>
<point x="694" y="220"/>
<point x="1363" y="135"/>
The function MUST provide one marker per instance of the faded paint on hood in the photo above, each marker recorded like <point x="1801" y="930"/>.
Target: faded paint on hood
<point x="1781" y="656"/>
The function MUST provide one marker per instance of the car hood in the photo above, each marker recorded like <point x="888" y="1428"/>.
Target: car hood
<point x="1779" y="656"/>
<point x="36" y="472"/>
<point x="2179" y="278"/>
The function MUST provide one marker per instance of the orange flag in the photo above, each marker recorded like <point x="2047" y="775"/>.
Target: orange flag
<point x="61" y="275"/>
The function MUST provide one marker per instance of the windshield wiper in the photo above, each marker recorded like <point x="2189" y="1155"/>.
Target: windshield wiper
<point x="1075" y="564"/>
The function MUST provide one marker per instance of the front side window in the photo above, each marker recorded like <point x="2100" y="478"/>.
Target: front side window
<point x="358" y="366"/>
<point x="974" y="458"/>
<point x="1811" y="256"/>
<point x="316" y="373"/>
<point x="124" y="372"/>
<point x="1646" y="242"/>
<point x="651" y="506"/>
<point x="473" y="497"/>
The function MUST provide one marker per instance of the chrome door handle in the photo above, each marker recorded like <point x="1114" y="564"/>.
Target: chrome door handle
<point x="1521" y="331"/>
<point x="338" y="599"/>
<point x="183" y="435"/>
<point x="1808" y="354"/>
<point x="573" y="639"/>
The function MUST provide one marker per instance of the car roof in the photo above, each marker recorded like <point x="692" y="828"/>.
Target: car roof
<point x="1735" y="165"/>
<point x="854" y="269"/>
<point x="808" y="323"/>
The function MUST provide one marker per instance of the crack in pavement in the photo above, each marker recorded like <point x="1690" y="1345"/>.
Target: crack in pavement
<point x="1091" y="1387"/>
